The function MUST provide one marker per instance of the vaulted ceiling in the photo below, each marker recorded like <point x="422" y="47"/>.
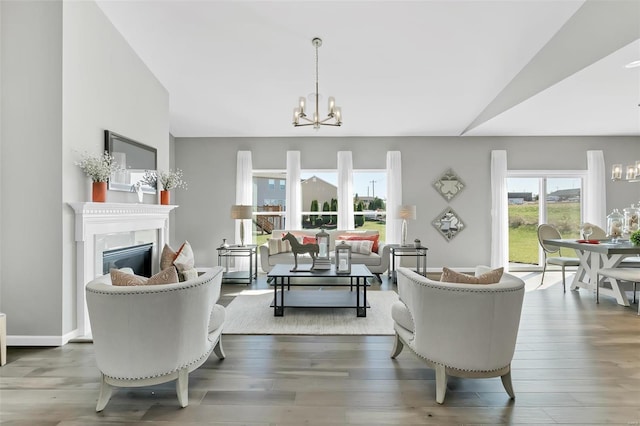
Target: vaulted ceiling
<point x="397" y="68"/>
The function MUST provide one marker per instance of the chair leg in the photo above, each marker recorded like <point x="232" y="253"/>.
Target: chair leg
<point x="597" y="288"/>
<point x="441" y="383"/>
<point x="397" y="347"/>
<point x="564" y="289"/>
<point x="218" y="349"/>
<point x="634" y="292"/>
<point x="544" y="269"/>
<point x="506" y="382"/>
<point x="182" y="387"/>
<point x="105" y="394"/>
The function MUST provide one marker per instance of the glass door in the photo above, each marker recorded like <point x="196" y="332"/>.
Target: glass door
<point x="561" y="206"/>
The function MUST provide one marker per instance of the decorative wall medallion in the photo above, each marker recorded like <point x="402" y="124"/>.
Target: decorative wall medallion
<point x="448" y="223"/>
<point x="448" y="185"/>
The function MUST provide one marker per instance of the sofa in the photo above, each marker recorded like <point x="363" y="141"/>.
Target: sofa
<point x="145" y="335"/>
<point x="377" y="261"/>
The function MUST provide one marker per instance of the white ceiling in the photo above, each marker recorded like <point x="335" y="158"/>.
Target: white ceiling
<point x="397" y="68"/>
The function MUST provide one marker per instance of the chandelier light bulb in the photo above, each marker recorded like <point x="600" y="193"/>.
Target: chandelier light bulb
<point x="334" y="117"/>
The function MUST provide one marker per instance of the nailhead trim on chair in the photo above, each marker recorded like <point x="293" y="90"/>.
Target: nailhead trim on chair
<point x="205" y="356"/>
<point x="465" y="290"/>
<point x="196" y="283"/>
<point x="448" y="366"/>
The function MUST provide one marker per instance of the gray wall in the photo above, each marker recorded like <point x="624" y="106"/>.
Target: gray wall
<point x="67" y="75"/>
<point x="209" y="165"/>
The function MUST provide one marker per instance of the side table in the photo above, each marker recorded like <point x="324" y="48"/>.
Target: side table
<point x="398" y="252"/>
<point x="233" y="251"/>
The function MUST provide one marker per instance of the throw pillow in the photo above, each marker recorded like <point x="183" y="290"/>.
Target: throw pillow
<point x="373" y="238"/>
<point x="167" y="257"/>
<point x="276" y="246"/>
<point x="451" y="276"/>
<point x="121" y="278"/>
<point x="309" y="240"/>
<point x="184" y="259"/>
<point x="360" y="246"/>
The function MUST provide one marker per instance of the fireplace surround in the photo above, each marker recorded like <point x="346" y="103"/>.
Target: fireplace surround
<point x="94" y="222"/>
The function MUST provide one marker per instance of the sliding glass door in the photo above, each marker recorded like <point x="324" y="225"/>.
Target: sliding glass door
<point x="560" y="205"/>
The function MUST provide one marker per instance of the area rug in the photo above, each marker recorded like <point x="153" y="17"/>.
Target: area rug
<point x="250" y="313"/>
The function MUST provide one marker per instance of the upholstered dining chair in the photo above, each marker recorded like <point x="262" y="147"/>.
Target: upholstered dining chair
<point x="462" y="330"/>
<point x="550" y="232"/>
<point x="145" y="335"/>
<point x="619" y="274"/>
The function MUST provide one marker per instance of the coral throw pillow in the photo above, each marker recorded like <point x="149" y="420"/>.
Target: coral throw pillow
<point x="166" y="276"/>
<point x="451" y="276"/>
<point x="309" y="240"/>
<point x="373" y="238"/>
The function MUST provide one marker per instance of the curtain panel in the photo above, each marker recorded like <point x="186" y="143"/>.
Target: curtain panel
<point x="499" y="210"/>
<point x="394" y="196"/>
<point x="293" y="214"/>
<point x="595" y="193"/>
<point x="345" y="190"/>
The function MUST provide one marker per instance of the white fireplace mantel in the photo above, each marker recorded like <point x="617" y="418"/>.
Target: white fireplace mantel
<point x="95" y="219"/>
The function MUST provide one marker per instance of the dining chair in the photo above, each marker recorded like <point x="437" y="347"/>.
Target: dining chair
<point x="550" y="232"/>
<point x="619" y="274"/>
<point x="597" y="233"/>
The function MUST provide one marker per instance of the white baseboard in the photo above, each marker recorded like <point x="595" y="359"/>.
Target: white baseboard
<point x="41" y="340"/>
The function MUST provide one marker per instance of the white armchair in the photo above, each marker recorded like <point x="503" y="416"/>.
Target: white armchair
<point x="462" y="330"/>
<point x="151" y="334"/>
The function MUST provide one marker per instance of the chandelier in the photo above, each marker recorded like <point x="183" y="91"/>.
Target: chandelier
<point x="334" y="117"/>
<point x="632" y="172"/>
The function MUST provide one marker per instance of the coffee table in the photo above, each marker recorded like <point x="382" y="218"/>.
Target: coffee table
<point x="282" y="298"/>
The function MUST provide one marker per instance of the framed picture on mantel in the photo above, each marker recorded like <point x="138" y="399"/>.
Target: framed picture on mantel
<point x="134" y="157"/>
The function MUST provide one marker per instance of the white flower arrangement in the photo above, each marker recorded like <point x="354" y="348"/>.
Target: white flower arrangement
<point x="98" y="167"/>
<point x="168" y="180"/>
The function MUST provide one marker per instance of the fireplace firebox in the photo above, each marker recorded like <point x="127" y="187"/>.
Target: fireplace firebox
<point x="137" y="258"/>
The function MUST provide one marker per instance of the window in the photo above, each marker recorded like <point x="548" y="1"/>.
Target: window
<point x="269" y="203"/>
<point x="319" y="199"/>
<point x="319" y="190"/>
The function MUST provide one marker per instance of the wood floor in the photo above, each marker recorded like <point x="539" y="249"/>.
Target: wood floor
<point x="575" y="363"/>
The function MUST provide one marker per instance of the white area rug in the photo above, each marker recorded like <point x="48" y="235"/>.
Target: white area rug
<point x="250" y="313"/>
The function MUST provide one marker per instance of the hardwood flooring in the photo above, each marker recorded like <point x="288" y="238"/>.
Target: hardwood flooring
<point x="576" y="362"/>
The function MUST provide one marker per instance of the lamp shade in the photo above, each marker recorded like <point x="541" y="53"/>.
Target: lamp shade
<point x="407" y="212"/>
<point x="241" y="212"/>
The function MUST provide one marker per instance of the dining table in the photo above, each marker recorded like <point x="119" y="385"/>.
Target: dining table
<point x="595" y="255"/>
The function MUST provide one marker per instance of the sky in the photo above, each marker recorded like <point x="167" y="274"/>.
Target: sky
<point x="532" y="184"/>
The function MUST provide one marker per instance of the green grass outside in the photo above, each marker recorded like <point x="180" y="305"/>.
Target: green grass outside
<point x="523" y="224"/>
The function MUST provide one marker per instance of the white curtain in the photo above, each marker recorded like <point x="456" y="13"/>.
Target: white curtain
<point x="345" y="190"/>
<point x="394" y="196"/>
<point x="293" y="215"/>
<point x="499" y="210"/>
<point x="595" y="192"/>
<point x="244" y="196"/>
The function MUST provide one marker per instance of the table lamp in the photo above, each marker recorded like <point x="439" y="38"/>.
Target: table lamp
<point x="241" y="212"/>
<point x="406" y="212"/>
